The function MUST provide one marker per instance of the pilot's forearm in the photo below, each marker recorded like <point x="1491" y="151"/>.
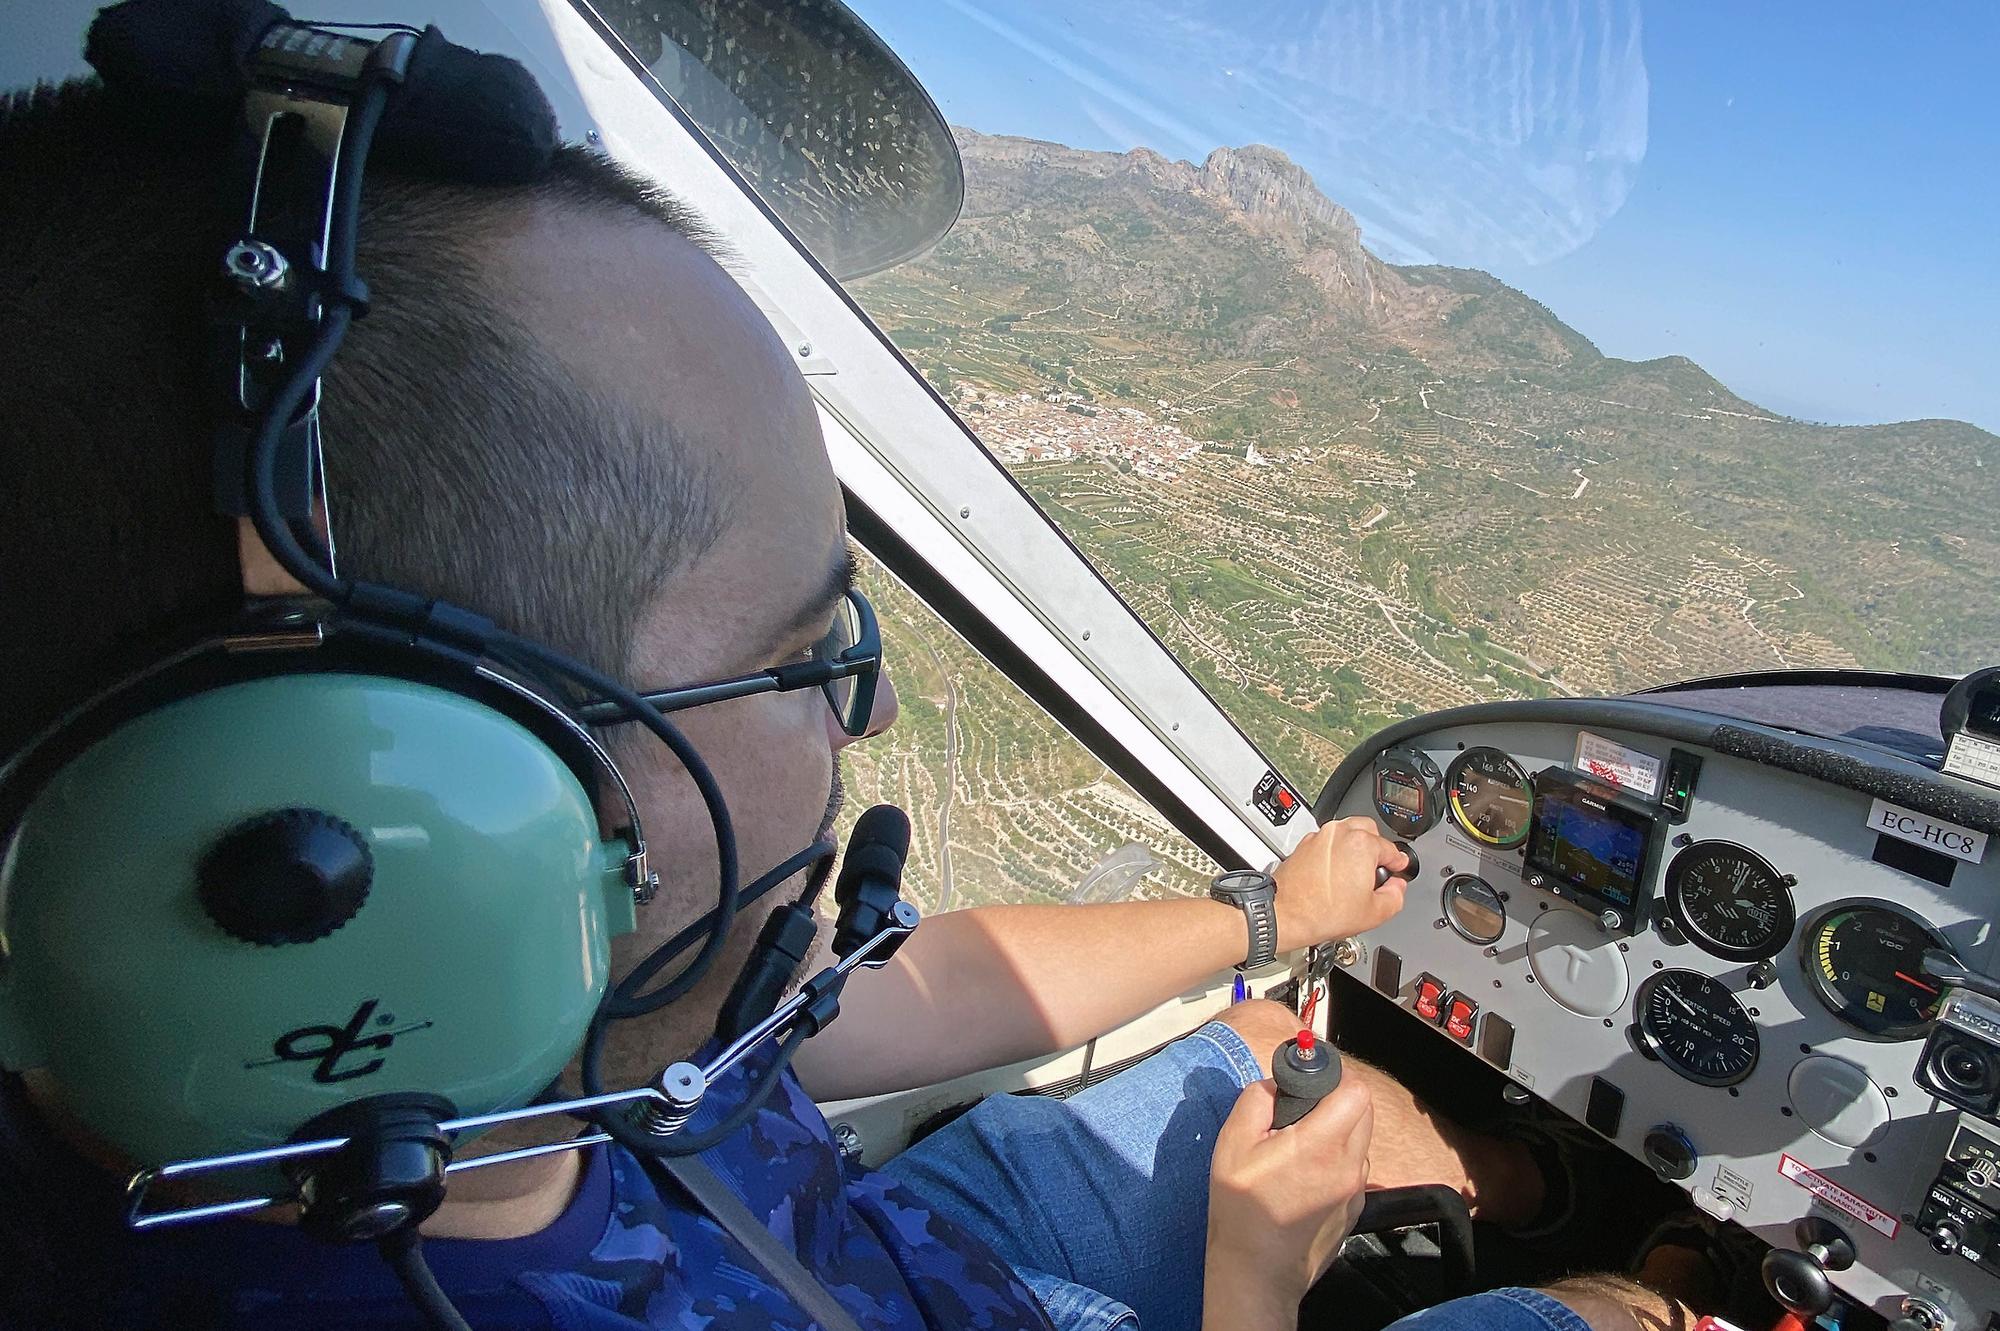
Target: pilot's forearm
<point x="1234" y="1299"/>
<point x="981" y="988"/>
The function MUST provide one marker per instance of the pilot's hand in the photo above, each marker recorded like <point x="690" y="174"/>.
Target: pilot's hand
<point x="1280" y="1201"/>
<point x="1326" y="887"/>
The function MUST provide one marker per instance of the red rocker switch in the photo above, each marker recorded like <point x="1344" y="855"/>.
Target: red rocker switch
<point x="1430" y="997"/>
<point x="1459" y="1012"/>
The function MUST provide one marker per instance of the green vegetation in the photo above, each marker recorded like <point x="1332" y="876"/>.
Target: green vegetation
<point x="1455" y="497"/>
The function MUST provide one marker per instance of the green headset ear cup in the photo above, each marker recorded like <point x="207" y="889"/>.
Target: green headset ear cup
<point x="471" y="970"/>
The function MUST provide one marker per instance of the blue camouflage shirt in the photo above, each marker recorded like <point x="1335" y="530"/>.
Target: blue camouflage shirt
<point x="622" y="1256"/>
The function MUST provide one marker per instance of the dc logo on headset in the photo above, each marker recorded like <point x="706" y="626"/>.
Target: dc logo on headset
<point x="328" y="1047"/>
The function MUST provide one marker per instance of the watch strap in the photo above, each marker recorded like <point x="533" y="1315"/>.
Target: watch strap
<point x="1256" y="895"/>
<point x="1261" y="912"/>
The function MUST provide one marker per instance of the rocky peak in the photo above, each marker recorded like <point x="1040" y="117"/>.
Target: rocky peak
<point x="1272" y="191"/>
<point x="1266" y="189"/>
<point x="1258" y="188"/>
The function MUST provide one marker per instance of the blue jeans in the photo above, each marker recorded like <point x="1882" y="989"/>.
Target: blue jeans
<point x="1100" y="1201"/>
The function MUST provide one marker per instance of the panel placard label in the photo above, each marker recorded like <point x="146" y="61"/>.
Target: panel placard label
<point x="1974" y="757"/>
<point x="1614" y="764"/>
<point x="1732" y="1187"/>
<point x="1839" y="1198"/>
<point x="1920" y="829"/>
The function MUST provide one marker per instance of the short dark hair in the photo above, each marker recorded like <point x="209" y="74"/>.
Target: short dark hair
<point x="464" y="460"/>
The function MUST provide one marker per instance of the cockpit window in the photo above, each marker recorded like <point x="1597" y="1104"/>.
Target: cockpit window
<point x="1005" y="805"/>
<point x="819" y="116"/>
<point x="1394" y="358"/>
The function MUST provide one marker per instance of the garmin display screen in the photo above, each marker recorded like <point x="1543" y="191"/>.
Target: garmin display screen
<point x="1590" y="842"/>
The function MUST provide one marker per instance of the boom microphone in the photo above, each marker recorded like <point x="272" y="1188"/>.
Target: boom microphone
<point x="869" y="888"/>
<point x="871" y="876"/>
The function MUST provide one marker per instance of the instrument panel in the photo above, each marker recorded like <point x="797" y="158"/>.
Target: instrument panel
<point x="1715" y="963"/>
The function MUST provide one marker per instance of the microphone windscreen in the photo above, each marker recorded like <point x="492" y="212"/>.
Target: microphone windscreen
<point x="459" y="114"/>
<point x="878" y="847"/>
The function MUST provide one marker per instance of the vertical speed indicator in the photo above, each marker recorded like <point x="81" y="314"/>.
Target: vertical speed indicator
<point x="1695" y="1026"/>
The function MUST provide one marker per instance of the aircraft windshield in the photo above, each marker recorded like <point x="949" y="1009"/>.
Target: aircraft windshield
<point x="1390" y="358"/>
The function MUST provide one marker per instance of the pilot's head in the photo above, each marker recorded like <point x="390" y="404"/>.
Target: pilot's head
<point x="561" y="411"/>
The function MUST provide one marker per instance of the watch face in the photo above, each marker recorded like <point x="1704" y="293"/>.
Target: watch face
<point x="1241" y="882"/>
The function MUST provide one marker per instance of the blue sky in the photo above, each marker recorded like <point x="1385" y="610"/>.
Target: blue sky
<point x="1805" y="198"/>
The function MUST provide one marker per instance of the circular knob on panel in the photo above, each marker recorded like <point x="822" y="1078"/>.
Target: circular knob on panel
<point x="1764" y="974"/>
<point x="287" y="877"/>
<point x="1920" y="1315"/>
<point x="1797" y="1281"/>
<point x="1670" y="1153"/>
<point x="1946" y="1238"/>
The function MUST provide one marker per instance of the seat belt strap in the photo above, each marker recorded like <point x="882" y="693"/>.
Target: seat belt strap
<point x="723" y="1206"/>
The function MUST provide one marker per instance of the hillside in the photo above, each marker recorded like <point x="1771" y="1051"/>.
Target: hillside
<point x="1346" y="491"/>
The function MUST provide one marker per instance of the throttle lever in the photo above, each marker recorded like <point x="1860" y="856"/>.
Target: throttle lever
<point x="1409" y="873"/>
<point x="1797" y="1279"/>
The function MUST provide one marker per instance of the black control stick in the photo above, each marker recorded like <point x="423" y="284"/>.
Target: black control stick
<point x="1307" y="1070"/>
<point x="1409" y="873"/>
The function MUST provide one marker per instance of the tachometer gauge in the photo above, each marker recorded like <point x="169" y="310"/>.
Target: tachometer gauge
<point x="1729" y="902"/>
<point x="1489" y="796"/>
<point x="1865" y="962"/>
<point x="1696" y="1027"/>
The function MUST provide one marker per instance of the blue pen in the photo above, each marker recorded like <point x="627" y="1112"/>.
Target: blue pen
<point x="1239" y="991"/>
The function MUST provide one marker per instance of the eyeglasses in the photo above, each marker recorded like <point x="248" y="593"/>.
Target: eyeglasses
<point x="844" y="666"/>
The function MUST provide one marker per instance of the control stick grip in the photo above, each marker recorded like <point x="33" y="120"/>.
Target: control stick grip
<point x="1306" y="1069"/>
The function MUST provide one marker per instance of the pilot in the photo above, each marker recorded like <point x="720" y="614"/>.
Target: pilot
<point x="563" y="412"/>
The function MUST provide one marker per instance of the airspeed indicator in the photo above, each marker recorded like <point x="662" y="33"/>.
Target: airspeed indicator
<point x="1490" y="797"/>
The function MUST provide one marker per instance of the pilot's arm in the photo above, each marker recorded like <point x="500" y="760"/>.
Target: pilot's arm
<point x="983" y="987"/>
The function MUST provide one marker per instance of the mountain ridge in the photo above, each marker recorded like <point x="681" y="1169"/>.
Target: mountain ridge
<point x="1264" y="190"/>
<point x="1457" y="458"/>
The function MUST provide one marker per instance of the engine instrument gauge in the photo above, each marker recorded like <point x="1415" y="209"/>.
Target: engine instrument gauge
<point x="1865" y="962"/>
<point x="1407" y="785"/>
<point x="1729" y="902"/>
<point x="1695" y="1026"/>
<point x="1474" y="910"/>
<point x="1489" y="796"/>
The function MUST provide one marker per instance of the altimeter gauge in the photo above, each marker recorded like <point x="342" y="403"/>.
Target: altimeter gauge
<point x="1730" y="902"/>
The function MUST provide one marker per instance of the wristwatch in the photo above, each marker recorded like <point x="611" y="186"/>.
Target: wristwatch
<point x="1255" y="893"/>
